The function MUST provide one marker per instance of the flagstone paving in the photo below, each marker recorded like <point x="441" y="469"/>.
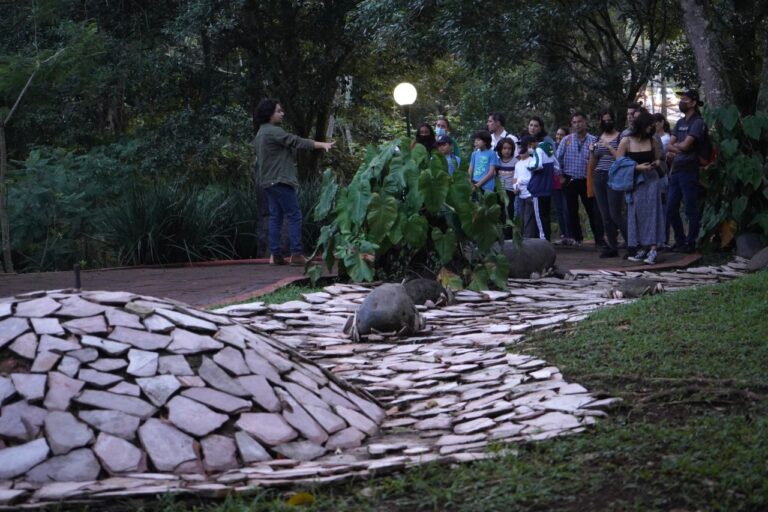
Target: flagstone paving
<point x="337" y="410"/>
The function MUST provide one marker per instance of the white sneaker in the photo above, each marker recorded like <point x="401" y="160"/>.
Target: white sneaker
<point x="651" y="258"/>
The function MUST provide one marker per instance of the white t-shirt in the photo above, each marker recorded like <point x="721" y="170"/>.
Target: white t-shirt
<point x="495" y="139"/>
<point x="523" y="176"/>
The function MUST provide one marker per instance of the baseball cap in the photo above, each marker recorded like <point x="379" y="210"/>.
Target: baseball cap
<point x="691" y="94"/>
<point x="443" y="139"/>
<point x="526" y="141"/>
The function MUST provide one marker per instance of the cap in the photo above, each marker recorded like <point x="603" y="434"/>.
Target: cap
<point x="443" y="139"/>
<point x="692" y="94"/>
<point x="526" y="141"/>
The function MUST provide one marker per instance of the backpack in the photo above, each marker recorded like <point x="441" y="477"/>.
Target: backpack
<point x="621" y="175"/>
<point x="547" y="147"/>
<point x="705" y="150"/>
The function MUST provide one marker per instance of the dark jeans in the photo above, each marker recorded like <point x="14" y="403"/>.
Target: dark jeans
<point x="558" y="201"/>
<point x="684" y="186"/>
<point x="575" y="189"/>
<point x="283" y="202"/>
<point x="611" y="204"/>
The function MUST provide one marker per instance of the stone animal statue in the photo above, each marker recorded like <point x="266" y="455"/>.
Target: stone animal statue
<point x="534" y="256"/>
<point x="635" y="287"/>
<point x="426" y="291"/>
<point x="388" y="308"/>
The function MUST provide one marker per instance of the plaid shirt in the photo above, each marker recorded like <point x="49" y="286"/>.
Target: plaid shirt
<point x="573" y="155"/>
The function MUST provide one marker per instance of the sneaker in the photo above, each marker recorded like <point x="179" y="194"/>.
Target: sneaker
<point x="298" y="260"/>
<point x="651" y="258"/>
<point x="609" y="253"/>
<point x="277" y="260"/>
<point x="639" y="255"/>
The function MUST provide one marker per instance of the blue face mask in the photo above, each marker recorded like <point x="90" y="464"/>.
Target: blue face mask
<point x="440" y="131"/>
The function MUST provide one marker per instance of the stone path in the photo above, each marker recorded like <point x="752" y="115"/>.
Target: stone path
<point x="449" y="391"/>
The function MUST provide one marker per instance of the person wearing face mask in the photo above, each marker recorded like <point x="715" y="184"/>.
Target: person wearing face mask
<point x="426" y="137"/>
<point x="443" y="128"/>
<point x="645" y="216"/>
<point x="609" y="202"/>
<point x="688" y="144"/>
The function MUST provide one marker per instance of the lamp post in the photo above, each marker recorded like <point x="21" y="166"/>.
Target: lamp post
<point x="405" y="95"/>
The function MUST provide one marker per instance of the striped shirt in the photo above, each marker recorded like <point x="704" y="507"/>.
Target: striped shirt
<point x="573" y="155"/>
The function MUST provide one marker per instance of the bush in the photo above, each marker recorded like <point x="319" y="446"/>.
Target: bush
<point x="403" y="210"/>
<point x="173" y="223"/>
<point x="737" y="183"/>
<point x="56" y="201"/>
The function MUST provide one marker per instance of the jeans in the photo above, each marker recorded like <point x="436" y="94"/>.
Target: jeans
<point x="558" y="201"/>
<point x="610" y="204"/>
<point x="684" y="185"/>
<point x="575" y="189"/>
<point x="283" y="202"/>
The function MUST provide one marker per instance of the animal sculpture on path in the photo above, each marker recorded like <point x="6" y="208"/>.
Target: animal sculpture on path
<point x="386" y="309"/>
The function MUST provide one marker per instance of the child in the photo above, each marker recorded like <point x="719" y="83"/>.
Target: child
<point x="482" y="165"/>
<point x="506" y="170"/>
<point x="530" y="160"/>
<point x="445" y="148"/>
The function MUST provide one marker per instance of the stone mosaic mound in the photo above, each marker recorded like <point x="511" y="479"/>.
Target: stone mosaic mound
<point x="97" y="384"/>
<point x="452" y="393"/>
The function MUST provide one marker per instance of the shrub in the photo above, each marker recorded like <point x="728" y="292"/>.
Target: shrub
<point x="737" y="183"/>
<point x="173" y="223"/>
<point x="402" y="210"/>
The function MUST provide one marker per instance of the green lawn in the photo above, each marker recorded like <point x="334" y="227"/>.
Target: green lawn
<point x="691" y="433"/>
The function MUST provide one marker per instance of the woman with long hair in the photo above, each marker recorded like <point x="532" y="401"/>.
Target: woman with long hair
<point x="645" y="215"/>
<point x="425" y="136"/>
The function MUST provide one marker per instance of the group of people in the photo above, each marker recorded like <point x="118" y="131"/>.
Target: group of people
<point x="539" y="173"/>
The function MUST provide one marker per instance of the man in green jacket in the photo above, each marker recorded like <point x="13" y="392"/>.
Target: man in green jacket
<point x="276" y="161"/>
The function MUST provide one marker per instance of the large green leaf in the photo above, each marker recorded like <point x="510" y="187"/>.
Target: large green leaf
<point x="358" y="197"/>
<point x="459" y="195"/>
<point x="479" y="280"/>
<point x="355" y="255"/>
<point x="498" y="270"/>
<point x="729" y="116"/>
<point x="396" y="233"/>
<point x="327" y="195"/>
<point x="445" y="244"/>
<point x="420" y="156"/>
<point x="394" y="182"/>
<point x="738" y="206"/>
<point x="415" y="231"/>
<point x="414" y="200"/>
<point x="433" y="185"/>
<point x="729" y="147"/>
<point x="753" y="125"/>
<point x="484" y="227"/>
<point x="382" y="215"/>
<point x="343" y="212"/>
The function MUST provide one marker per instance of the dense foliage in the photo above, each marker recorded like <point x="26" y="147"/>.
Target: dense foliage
<point x="401" y="211"/>
<point x="160" y="95"/>
<point x="737" y="183"/>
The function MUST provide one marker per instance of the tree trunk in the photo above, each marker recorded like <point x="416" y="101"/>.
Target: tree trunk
<point x="5" y="229"/>
<point x="709" y="59"/>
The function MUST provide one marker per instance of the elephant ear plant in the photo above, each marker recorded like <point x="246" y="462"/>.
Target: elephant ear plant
<point x="403" y="211"/>
<point x="736" y="183"/>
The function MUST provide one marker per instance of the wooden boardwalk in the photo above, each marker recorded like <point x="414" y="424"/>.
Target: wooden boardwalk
<point x="209" y="284"/>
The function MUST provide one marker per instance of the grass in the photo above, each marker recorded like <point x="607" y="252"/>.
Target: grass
<point x="690" y="434"/>
<point x="288" y="293"/>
